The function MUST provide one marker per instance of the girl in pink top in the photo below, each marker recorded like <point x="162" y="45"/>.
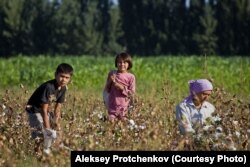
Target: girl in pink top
<point x="119" y="88"/>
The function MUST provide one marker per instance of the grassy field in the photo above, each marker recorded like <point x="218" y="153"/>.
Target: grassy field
<point x="161" y="84"/>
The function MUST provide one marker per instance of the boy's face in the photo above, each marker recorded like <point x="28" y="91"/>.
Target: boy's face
<point x="62" y="79"/>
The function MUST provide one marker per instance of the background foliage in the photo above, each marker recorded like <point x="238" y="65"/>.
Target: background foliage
<point x="143" y="27"/>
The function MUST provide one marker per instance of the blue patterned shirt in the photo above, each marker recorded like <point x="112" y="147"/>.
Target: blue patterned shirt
<point x="189" y="117"/>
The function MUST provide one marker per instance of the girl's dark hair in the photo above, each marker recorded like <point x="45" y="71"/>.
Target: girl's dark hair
<point x="126" y="57"/>
<point x="64" y="68"/>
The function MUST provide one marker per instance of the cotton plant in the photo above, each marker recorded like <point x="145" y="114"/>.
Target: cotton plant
<point x="133" y="126"/>
<point x="220" y="134"/>
<point x="206" y="134"/>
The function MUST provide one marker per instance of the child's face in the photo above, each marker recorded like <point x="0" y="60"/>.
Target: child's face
<point x="62" y="79"/>
<point x="122" y="65"/>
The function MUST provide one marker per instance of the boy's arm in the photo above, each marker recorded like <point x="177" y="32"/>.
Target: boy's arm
<point x="57" y="113"/>
<point x="45" y="116"/>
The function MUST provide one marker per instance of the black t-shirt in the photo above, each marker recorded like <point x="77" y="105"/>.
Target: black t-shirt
<point x="46" y="93"/>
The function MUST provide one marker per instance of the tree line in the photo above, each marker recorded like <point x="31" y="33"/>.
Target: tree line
<point x="142" y="27"/>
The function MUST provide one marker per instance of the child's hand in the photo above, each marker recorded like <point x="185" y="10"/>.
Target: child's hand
<point x="49" y="133"/>
<point x="112" y="77"/>
<point x="57" y="126"/>
<point x="116" y="84"/>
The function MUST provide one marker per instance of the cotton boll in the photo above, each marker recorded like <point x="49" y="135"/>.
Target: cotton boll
<point x="230" y="143"/>
<point x="130" y="127"/>
<point x="3" y="107"/>
<point x="5" y="110"/>
<point x="46" y="151"/>
<point x="235" y="123"/>
<point x="215" y="147"/>
<point x="237" y="134"/>
<point x="219" y="130"/>
<point x="142" y="127"/>
<point x="131" y="122"/>
<point x="99" y="115"/>
<point x="216" y="119"/>
<point x="217" y="135"/>
<point x="232" y="148"/>
<point x="205" y="128"/>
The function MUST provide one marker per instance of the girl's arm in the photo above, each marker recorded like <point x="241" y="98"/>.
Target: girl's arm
<point x="130" y="89"/>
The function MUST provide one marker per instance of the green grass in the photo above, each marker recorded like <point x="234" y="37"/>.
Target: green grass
<point x="233" y="73"/>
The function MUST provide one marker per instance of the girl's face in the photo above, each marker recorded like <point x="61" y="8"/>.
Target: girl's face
<point x="122" y="66"/>
<point x="62" y="79"/>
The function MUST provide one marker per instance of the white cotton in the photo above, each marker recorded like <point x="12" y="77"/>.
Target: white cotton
<point x="131" y="122"/>
<point x="46" y="151"/>
<point x="231" y="147"/>
<point x="3" y="107"/>
<point x="217" y="135"/>
<point x="205" y="128"/>
<point x="237" y="134"/>
<point x="235" y="122"/>
<point x="142" y="127"/>
<point x="219" y="129"/>
<point x="216" y="119"/>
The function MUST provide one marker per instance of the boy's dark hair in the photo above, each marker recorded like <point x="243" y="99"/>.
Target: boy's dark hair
<point x="126" y="57"/>
<point x="64" y="68"/>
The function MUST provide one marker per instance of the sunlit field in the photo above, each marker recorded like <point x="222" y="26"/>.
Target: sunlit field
<point x="161" y="84"/>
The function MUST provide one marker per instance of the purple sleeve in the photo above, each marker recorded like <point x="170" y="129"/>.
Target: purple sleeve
<point x="130" y="89"/>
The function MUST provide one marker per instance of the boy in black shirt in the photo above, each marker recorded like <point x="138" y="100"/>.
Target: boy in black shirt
<point x="47" y="98"/>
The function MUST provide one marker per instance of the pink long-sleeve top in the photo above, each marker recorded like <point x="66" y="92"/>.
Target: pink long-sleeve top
<point x="118" y="99"/>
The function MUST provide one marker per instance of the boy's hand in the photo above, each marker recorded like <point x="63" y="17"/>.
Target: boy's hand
<point x="49" y="133"/>
<point x="57" y="126"/>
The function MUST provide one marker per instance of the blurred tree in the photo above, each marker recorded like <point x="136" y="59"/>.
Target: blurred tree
<point x="19" y="16"/>
<point x="206" y="38"/>
<point x="176" y="30"/>
<point x="4" y="47"/>
<point x="107" y="26"/>
<point x="146" y="26"/>
<point x="143" y="27"/>
<point x="116" y="32"/>
<point x="194" y="27"/>
<point x="68" y="33"/>
<point x="132" y="25"/>
<point x="233" y="28"/>
<point x="224" y="15"/>
<point x="241" y="27"/>
<point x="43" y="26"/>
